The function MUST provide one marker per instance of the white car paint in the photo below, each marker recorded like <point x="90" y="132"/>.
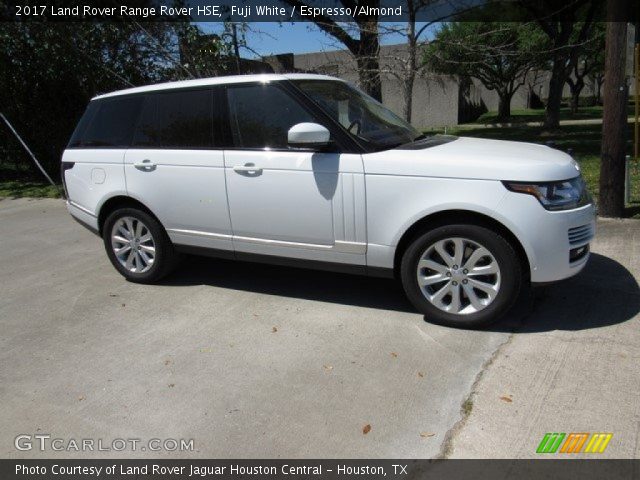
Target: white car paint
<point x="308" y="133"/>
<point x="341" y="208"/>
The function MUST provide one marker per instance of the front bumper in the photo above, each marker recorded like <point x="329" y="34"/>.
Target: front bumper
<point x="554" y="241"/>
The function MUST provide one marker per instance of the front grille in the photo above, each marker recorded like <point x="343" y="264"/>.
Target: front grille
<point x="582" y="234"/>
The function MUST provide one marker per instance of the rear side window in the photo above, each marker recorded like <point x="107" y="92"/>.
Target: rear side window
<point x="261" y="116"/>
<point x="107" y="123"/>
<point x="76" y="138"/>
<point x="180" y="119"/>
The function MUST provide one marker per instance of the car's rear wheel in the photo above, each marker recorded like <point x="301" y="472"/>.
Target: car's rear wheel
<point x="138" y="245"/>
<point x="461" y="275"/>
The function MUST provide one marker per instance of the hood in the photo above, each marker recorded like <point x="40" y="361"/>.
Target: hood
<point x="475" y="158"/>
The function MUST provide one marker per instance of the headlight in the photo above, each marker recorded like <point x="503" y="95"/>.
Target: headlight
<point x="563" y="195"/>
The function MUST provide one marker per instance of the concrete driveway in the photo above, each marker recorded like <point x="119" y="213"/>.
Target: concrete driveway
<point x="259" y="361"/>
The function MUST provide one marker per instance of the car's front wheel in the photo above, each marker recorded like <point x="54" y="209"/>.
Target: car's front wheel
<point x="138" y="245"/>
<point x="461" y="275"/>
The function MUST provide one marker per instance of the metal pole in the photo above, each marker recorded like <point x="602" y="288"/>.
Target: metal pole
<point x="637" y="104"/>
<point x="28" y="150"/>
<point x="627" y="179"/>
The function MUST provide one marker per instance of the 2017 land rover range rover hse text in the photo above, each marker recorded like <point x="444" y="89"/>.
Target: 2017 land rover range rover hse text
<point x="308" y="170"/>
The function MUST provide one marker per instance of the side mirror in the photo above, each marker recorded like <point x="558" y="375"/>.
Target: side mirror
<point x="308" y="135"/>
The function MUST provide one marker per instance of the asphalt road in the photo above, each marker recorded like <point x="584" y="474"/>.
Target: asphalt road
<point x="254" y="361"/>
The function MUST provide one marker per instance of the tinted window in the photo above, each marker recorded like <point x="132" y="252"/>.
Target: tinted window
<point x="176" y="120"/>
<point x="261" y="116"/>
<point x="363" y="116"/>
<point x="107" y="123"/>
<point x="76" y="138"/>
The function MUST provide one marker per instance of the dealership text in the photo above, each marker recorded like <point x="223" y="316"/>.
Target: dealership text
<point x="202" y="471"/>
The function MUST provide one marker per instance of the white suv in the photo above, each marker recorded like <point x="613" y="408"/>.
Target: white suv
<point x="307" y="170"/>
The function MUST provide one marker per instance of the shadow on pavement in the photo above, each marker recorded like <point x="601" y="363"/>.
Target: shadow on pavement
<point x="322" y="286"/>
<point x="604" y="293"/>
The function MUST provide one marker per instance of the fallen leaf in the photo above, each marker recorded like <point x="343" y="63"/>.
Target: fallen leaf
<point x="506" y="398"/>
<point x="123" y="304"/>
<point x="81" y="398"/>
<point x="113" y="295"/>
<point x="420" y="374"/>
<point x="366" y="429"/>
<point x="171" y="385"/>
<point x="167" y="362"/>
<point x="274" y="330"/>
<point x="394" y="354"/>
<point x="426" y="434"/>
<point x="328" y="367"/>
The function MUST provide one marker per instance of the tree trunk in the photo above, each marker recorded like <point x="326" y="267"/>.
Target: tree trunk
<point x="367" y="58"/>
<point x="408" y="95"/>
<point x="556" y="84"/>
<point x="504" y="106"/>
<point x="599" y="82"/>
<point x="575" y="100"/>
<point x="575" y="88"/>
<point x="236" y="48"/>
<point x="410" y="70"/>
<point x="614" y="120"/>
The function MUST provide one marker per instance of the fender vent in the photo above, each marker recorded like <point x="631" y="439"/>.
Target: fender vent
<point x="579" y="235"/>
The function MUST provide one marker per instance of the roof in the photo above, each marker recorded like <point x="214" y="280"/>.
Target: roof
<point x="203" y="82"/>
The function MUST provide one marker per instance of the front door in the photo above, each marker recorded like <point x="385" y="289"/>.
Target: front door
<point x="286" y="202"/>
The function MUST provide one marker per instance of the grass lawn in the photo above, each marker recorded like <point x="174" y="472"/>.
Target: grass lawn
<point x="528" y="115"/>
<point x="20" y="188"/>
<point x="584" y="141"/>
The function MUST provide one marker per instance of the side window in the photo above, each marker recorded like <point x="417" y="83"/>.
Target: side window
<point x="261" y="116"/>
<point x="107" y="123"/>
<point x="85" y="121"/>
<point x="181" y="119"/>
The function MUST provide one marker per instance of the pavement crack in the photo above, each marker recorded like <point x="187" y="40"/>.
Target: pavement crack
<point x="527" y="303"/>
<point x="466" y="407"/>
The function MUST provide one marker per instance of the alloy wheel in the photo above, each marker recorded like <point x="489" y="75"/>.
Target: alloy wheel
<point x="133" y="244"/>
<point x="458" y="276"/>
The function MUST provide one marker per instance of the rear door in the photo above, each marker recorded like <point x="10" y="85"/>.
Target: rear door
<point x="175" y="167"/>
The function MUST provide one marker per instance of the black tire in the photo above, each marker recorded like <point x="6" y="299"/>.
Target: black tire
<point x="165" y="255"/>
<point x="510" y="284"/>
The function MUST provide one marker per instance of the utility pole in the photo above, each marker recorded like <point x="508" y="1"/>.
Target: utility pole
<point x="614" y="121"/>
<point x="636" y="91"/>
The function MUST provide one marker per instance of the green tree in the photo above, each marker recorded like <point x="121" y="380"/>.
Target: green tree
<point x="590" y="63"/>
<point x="49" y="72"/>
<point x="498" y="54"/>
<point x="567" y="26"/>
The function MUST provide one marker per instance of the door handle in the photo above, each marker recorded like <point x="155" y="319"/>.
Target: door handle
<point x="145" y="165"/>
<point x="249" y="168"/>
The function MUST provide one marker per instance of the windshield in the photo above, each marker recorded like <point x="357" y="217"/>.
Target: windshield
<point x="370" y="121"/>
